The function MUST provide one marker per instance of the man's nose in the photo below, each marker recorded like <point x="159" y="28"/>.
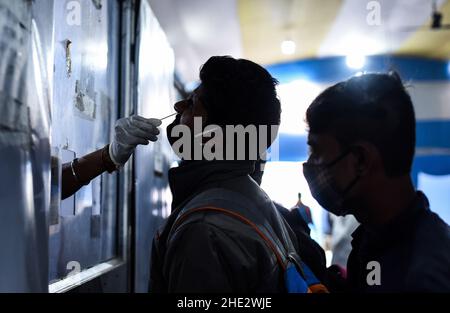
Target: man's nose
<point x="180" y="106"/>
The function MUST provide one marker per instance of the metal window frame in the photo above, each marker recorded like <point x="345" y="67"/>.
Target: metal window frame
<point x="124" y="186"/>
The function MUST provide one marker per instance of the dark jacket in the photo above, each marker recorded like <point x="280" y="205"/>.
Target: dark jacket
<point x="413" y="252"/>
<point x="310" y="251"/>
<point x="214" y="252"/>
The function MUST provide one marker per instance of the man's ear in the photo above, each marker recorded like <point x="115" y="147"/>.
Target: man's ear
<point x="366" y="157"/>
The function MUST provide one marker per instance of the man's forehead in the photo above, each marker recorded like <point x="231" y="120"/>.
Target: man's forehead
<point x="198" y="90"/>
<point x="193" y="93"/>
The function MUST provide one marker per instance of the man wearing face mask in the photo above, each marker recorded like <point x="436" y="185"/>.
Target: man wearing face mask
<point x="362" y="139"/>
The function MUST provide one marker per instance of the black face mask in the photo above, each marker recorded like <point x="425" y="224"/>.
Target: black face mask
<point x="170" y="127"/>
<point x="194" y="141"/>
<point x="323" y="186"/>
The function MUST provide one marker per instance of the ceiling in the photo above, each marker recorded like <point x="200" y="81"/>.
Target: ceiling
<point x="254" y="29"/>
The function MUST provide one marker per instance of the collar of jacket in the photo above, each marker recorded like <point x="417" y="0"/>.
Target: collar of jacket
<point x="375" y="240"/>
<point x="191" y="177"/>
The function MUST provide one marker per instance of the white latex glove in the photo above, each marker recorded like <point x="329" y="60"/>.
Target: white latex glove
<point x="130" y="132"/>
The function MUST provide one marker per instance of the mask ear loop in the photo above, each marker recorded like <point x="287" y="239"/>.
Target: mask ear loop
<point x="353" y="183"/>
<point x="348" y="188"/>
<point x="343" y="155"/>
<point x="355" y="180"/>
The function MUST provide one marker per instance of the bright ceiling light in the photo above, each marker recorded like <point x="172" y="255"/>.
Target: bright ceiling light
<point x="356" y="61"/>
<point x="288" y="47"/>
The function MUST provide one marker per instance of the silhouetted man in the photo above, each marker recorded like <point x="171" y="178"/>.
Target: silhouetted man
<point x="217" y="250"/>
<point x="362" y="139"/>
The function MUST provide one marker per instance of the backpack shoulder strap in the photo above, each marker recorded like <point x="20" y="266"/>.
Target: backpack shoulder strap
<point x="282" y="261"/>
<point x="240" y="207"/>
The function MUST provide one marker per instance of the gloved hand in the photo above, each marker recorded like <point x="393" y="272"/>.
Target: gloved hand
<point x="130" y="132"/>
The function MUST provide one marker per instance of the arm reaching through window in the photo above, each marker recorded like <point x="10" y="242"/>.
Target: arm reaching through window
<point x="128" y="133"/>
